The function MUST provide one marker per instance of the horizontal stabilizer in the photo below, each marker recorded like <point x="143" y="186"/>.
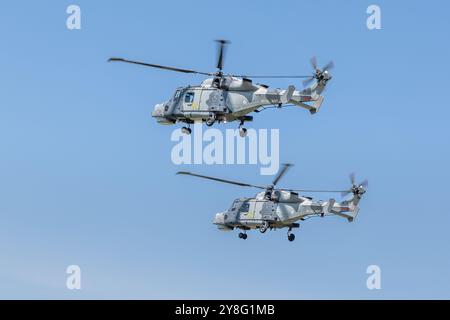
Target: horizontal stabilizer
<point x="313" y="108"/>
<point x="350" y="216"/>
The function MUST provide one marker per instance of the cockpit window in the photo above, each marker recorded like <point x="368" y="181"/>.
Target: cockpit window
<point x="189" y="97"/>
<point x="177" y="94"/>
<point x="245" y="207"/>
<point x="234" y="205"/>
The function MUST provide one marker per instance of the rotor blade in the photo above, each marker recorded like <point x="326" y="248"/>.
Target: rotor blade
<point x="221" y="53"/>
<point x="345" y="193"/>
<point x="365" y="183"/>
<point x="313" y="61"/>
<point x="307" y="82"/>
<point x="306" y="190"/>
<point x="220" y="180"/>
<point x="328" y="66"/>
<point x="352" y="178"/>
<point x="267" y="77"/>
<point x="158" y="66"/>
<point x="281" y="173"/>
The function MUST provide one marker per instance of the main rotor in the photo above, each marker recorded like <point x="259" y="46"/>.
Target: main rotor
<point x="318" y="74"/>
<point x="356" y="189"/>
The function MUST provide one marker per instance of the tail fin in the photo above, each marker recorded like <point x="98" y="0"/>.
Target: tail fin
<point x="349" y="208"/>
<point x="287" y="95"/>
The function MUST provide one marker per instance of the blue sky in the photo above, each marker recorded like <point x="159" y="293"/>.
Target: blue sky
<point x="87" y="179"/>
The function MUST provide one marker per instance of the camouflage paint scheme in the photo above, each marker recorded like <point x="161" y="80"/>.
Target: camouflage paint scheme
<point x="229" y="98"/>
<point x="282" y="209"/>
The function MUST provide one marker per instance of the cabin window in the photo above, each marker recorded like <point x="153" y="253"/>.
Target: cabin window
<point x="189" y="97"/>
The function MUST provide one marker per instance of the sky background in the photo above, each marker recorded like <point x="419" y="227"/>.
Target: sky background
<point x="86" y="176"/>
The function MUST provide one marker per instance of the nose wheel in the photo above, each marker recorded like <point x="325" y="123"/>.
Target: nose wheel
<point x="242" y="235"/>
<point x="290" y="236"/>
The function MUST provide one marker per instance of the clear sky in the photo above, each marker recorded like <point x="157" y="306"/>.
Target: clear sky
<point x="86" y="176"/>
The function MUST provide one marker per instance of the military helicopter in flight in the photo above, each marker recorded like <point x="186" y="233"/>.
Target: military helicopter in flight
<point x="225" y="97"/>
<point x="276" y="208"/>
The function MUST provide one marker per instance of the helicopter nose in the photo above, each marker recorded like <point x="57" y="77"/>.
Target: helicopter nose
<point x="219" y="218"/>
<point x="158" y="110"/>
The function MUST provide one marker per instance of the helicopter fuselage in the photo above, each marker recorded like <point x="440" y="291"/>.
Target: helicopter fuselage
<point x="276" y="208"/>
<point x="229" y="100"/>
<point x="280" y="209"/>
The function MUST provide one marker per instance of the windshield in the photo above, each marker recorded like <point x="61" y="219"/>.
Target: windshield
<point x="176" y="96"/>
<point x="235" y="205"/>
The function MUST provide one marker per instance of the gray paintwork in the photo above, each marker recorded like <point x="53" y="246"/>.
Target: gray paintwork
<point x="226" y="97"/>
<point x="233" y="99"/>
<point x="275" y="208"/>
<point x="282" y="209"/>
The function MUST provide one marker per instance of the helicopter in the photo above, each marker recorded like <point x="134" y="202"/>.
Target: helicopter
<point x="276" y="208"/>
<point x="225" y="97"/>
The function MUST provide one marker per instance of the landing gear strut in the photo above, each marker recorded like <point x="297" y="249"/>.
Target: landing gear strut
<point x="263" y="228"/>
<point x="242" y="235"/>
<point x="291" y="236"/>
<point x="242" y="131"/>
<point x="210" y="121"/>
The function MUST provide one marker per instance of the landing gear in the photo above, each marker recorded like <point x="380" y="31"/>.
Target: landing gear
<point x="242" y="235"/>
<point x="291" y="236"/>
<point x="242" y="131"/>
<point x="263" y="228"/>
<point x="210" y="121"/>
<point x="186" y="130"/>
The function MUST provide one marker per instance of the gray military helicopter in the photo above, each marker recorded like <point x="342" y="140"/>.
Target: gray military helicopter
<point x="229" y="97"/>
<point x="276" y="208"/>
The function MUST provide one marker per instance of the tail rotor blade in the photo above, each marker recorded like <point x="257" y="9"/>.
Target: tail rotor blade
<point x="328" y="66"/>
<point x="365" y="183"/>
<point x="313" y="61"/>
<point x="352" y="178"/>
<point x="308" y="81"/>
<point x="345" y="193"/>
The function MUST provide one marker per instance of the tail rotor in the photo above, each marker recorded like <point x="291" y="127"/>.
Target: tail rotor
<point x="319" y="74"/>
<point x="356" y="188"/>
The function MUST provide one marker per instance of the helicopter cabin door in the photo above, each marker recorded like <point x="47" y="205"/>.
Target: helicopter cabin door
<point x="212" y="100"/>
<point x="191" y="100"/>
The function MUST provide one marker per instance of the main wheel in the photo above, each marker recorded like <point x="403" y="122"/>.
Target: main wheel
<point x="210" y="121"/>
<point x="186" y="130"/>
<point x="244" y="236"/>
<point x="241" y="235"/>
<point x="242" y="132"/>
<point x="291" y="237"/>
<point x="263" y="227"/>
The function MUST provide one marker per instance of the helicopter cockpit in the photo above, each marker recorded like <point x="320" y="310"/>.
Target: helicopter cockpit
<point x="162" y="111"/>
<point x="231" y="215"/>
